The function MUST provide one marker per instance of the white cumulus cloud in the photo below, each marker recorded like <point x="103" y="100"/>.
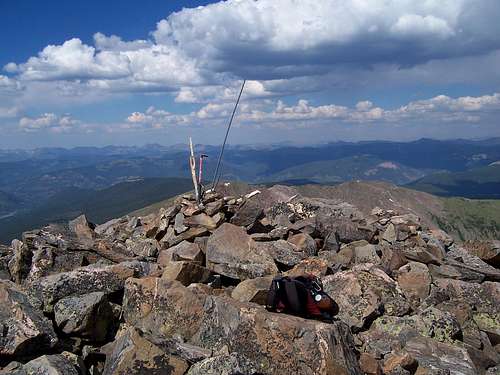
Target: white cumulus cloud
<point x="48" y="121"/>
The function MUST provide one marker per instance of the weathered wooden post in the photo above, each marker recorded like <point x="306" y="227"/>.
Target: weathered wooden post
<point x="192" y="165"/>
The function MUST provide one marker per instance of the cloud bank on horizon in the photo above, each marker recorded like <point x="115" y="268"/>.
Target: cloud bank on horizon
<point x="299" y="58"/>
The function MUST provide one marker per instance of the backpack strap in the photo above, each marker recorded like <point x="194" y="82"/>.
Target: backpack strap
<point x="292" y="295"/>
<point x="271" y="299"/>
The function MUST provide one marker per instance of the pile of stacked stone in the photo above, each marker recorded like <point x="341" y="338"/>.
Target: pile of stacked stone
<point x="182" y="291"/>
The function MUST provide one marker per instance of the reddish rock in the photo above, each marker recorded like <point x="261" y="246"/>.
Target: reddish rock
<point x="253" y="290"/>
<point x="186" y="272"/>
<point x="304" y="243"/>
<point x="402" y="359"/>
<point x="369" y="364"/>
<point x="415" y="281"/>
<point x="187" y="251"/>
<point x="310" y="266"/>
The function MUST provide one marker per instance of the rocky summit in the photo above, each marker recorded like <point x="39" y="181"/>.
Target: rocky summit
<point x="182" y="291"/>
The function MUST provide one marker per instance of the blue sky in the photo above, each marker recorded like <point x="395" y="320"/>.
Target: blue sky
<point x="127" y="72"/>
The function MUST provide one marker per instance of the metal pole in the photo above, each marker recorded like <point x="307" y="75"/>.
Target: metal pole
<point x="216" y="177"/>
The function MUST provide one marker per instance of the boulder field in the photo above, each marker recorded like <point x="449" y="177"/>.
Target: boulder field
<point x="183" y="290"/>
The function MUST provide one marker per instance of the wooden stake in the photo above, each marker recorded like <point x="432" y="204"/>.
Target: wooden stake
<point x="192" y="165"/>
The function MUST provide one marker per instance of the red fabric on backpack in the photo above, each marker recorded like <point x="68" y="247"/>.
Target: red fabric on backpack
<point x="312" y="307"/>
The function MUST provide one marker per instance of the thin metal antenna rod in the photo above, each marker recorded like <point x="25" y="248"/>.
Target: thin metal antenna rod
<point x="216" y="177"/>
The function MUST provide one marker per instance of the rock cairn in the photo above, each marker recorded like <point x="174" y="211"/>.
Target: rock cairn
<point x="181" y="291"/>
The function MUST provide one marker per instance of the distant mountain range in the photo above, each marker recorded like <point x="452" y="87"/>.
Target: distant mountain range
<point x="362" y="167"/>
<point x="98" y="205"/>
<point x="481" y="182"/>
<point x="32" y="181"/>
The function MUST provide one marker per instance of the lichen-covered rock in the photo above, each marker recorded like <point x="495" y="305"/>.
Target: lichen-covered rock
<point x="201" y="220"/>
<point x="228" y="364"/>
<point x="415" y="281"/>
<point x="461" y="258"/>
<point x="488" y="251"/>
<point x="89" y="315"/>
<point x="435" y="357"/>
<point x="369" y="364"/>
<point x="188" y="251"/>
<point x="306" y="346"/>
<point x="399" y="359"/>
<point x="448" y="271"/>
<point x="20" y="263"/>
<point x="231" y="252"/>
<point x="283" y="252"/>
<point x="132" y="354"/>
<point x="304" y="242"/>
<point x="439" y="325"/>
<point x="310" y="266"/>
<point x="345" y="229"/>
<point x="23" y="328"/>
<point x="163" y="309"/>
<point x="363" y="293"/>
<point x="57" y="364"/>
<point x="145" y="247"/>
<point x="82" y="228"/>
<point x="490" y="324"/>
<point x="416" y="249"/>
<point x="108" y="279"/>
<point x="366" y="253"/>
<point x="248" y="213"/>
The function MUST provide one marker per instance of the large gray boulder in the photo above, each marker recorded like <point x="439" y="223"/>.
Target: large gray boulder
<point x="248" y="213"/>
<point x="107" y="279"/>
<point x="232" y="252"/>
<point x="364" y="293"/>
<point x="57" y="364"/>
<point x="434" y="357"/>
<point x="89" y="316"/>
<point x="283" y="252"/>
<point x="24" y="329"/>
<point x="20" y="263"/>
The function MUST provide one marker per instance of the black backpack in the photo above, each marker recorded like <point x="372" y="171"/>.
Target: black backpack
<point x="301" y="296"/>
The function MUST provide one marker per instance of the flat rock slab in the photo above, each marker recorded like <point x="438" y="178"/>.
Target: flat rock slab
<point x="232" y="252"/>
<point x="24" y="328"/>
